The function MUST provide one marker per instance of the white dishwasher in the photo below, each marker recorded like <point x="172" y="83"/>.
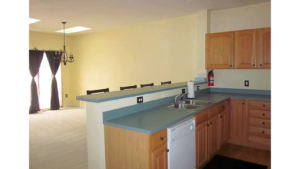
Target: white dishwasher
<point x="181" y="145"/>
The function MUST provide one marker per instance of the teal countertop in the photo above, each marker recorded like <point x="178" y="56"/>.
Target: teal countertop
<point x="97" y="98"/>
<point x="158" y="118"/>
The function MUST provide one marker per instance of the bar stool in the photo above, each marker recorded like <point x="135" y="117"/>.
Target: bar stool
<point x="97" y="91"/>
<point x="145" y="85"/>
<point x="128" y="87"/>
<point x="168" y="82"/>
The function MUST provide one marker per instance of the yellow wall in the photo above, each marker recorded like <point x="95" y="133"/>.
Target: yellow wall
<point x="152" y="52"/>
<point x="172" y="49"/>
<point x="55" y="42"/>
<point x="247" y="17"/>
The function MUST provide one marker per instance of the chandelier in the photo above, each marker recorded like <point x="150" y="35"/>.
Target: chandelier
<point x="65" y="58"/>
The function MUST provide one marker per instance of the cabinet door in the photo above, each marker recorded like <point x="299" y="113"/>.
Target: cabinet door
<point x="245" y="49"/>
<point x="159" y="157"/>
<point x="226" y="119"/>
<point x="264" y="48"/>
<point x="238" y="120"/>
<point x="222" y="128"/>
<point x="201" y="144"/>
<point x="219" y="50"/>
<point x="213" y="133"/>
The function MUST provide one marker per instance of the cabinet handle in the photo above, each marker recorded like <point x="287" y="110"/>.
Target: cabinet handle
<point x="264" y="105"/>
<point x="161" y="138"/>
<point x="211" y="123"/>
<point x="263" y="132"/>
<point x="167" y="150"/>
<point x="223" y="106"/>
<point x="253" y="64"/>
<point x="260" y="64"/>
<point x="207" y="124"/>
<point x="243" y="103"/>
<point x="263" y="114"/>
<point x="263" y="122"/>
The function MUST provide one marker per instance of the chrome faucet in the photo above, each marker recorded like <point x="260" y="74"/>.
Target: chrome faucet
<point x="179" y="96"/>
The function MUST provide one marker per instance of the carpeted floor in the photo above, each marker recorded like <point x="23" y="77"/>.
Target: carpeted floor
<point x="57" y="139"/>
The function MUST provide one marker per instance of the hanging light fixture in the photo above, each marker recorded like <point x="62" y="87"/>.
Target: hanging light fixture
<point x="65" y="58"/>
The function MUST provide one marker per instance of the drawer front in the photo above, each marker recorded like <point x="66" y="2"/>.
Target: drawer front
<point x="222" y="107"/>
<point x="201" y="117"/>
<point x="158" y="138"/>
<point x="265" y="114"/>
<point x="260" y="132"/>
<point x="213" y="112"/>
<point x="260" y="140"/>
<point x="256" y="122"/>
<point x="260" y="105"/>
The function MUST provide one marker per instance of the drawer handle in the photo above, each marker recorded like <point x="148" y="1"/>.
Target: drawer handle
<point x="263" y="114"/>
<point x="223" y="106"/>
<point x="264" y="105"/>
<point x="211" y="123"/>
<point x="263" y="132"/>
<point x="161" y="138"/>
<point x="243" y="103"/>
<point x="221" y="116"/>
<point x="263" y="122"/>
<point x="207" y="124"/>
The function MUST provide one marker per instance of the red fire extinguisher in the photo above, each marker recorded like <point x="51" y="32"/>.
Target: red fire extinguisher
<point x="211" y="78"/>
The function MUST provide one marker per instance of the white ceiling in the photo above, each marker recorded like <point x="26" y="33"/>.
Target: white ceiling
<point x="107" y="14"/>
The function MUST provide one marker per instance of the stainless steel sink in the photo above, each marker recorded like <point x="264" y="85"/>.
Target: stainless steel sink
<point x="183" y="106"/>
<point x="197" y="102"/>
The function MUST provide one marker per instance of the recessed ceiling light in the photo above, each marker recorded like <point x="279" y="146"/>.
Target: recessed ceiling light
<point x="31" y="20"/>
<point x="74" y="29"/>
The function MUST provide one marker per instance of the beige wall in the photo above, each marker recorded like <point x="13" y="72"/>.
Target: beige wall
<point x="55" y="42"/>
<point x="247" y="17"/>
<point x="152" y="52"/>
<point x="172" y="49"/>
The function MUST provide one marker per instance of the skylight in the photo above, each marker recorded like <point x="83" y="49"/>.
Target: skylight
<point x="74" y="29"/>
<point x="31" y="20"/>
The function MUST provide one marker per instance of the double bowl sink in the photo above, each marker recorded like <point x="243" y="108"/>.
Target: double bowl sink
<point x="189" y="104"/>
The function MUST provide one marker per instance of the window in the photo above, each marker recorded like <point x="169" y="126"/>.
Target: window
<point x="44" y="84"/>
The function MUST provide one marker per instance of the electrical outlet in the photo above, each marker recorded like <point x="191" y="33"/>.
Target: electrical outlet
<point x="247" y="83"/>
<point x="198" y="87"/>
<point x="183" y="90"/>
<point x="140" y="99"/>
<point x="66" y="95"/>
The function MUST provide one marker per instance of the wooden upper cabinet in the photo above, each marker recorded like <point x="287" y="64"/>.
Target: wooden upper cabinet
<point x="264" y="48"/>
<point x="245" y="49"/>
<point x="219" y="50"/>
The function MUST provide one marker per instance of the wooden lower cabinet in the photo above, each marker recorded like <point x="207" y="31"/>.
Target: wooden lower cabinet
<point x="213" y="136"/>
<point x="159" y="157"/>
<point x="201" y="144"/>
<point x="126" y="149"/>
<point x="238" y="120"/>
<point x="250" y="124"/>
<point x="223" y="128"/>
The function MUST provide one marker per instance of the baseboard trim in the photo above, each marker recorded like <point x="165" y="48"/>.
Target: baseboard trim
<point x="250" y="144"/>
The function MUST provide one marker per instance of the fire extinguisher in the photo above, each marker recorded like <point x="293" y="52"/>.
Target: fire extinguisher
<point x="211" y="78"/>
